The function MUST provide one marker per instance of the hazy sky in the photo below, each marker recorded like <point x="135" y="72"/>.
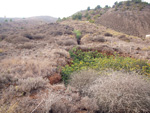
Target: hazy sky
<point x="55" y="8"/>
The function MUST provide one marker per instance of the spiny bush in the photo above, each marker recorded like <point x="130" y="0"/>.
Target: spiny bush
<point x="98" y="61"/>
<point x="82" y="79"/>
<point x="29" y="84"/>
<point x="6" y="79"/>
<point x="115" y="91"/>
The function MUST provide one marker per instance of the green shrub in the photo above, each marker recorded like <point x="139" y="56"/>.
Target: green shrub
<point x="78" y="34"/>
<point x="96" y="16"/>
<point x="86" y="14"/>
<point x="92" y="12"/>
<point x="88" y="17"/>
<point x="97" y="7"/>
<point x="91" y="21"/>
<point x="94" y="60"/>
<point x="59" y="19"/>
<point x="77" y="16"/>
<point x="88" y="8"/>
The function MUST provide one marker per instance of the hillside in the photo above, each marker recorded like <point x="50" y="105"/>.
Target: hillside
<point x="8" y="25"/>
<point x="48" y="19"/>
<point x="128" y="17"/>
<point x="34" y="61"/>
<point x="75" y="65"/>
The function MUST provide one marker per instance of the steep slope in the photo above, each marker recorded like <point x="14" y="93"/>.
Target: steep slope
<point x="130" y="22"/>
<point x="129" y="17"/>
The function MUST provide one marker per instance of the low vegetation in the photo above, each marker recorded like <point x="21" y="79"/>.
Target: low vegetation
<point x="77" y="16"/>
<point x="130" y="5"/>
<point x="78" y="35"/>
<point x="98" y="61"/>
<point x="115" y="91"/>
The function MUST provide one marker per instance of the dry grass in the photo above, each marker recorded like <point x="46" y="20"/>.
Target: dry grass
<point x="6" y="79"/>
<point x="115" y="92"/>
<point x="26" y="46"/>
<point x="83" y="79"/>
<point x="26" y="67"/>
<point x="1" y="50"/>
<point x="16" y="39"/>
<point x="2" y="37"/>
<point x="10" y="109"/>
<point x="124" y="38"/>
<point x="70" y="42"/>
<point x="61" y="52"/>
<point x="115" y="33"/>
<point x="98" y="39"/>
<point x="146" y="48"/>
<point x="30" y="84"/>
<point x="23" y="88"/>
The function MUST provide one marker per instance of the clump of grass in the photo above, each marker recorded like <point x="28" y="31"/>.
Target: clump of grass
<point x="94" y="60"/>
<point x="82" y="79"/>
<point x="91" y="21"/>
<point x="1" y="50"/>
<point x="31" y="83"/>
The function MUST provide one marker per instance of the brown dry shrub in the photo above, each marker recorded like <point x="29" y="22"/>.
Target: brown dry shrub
<point x="70" y="42"/>
<point x="108" y="34"/>
<point x="33" y="36"/>
<point x="23" y="68"/>
<point x="116" y="92"/>
<point x="6" y="80"/>
<point x="31" y="83"/>
<point x="28" y="35"/>
<point x="26" y="46"/>
<point x="16" y="39"/>
<point x="57" y="103"/>
<point x="124" y="38"/>
<point x="61" y="52"/>
<point x="38" y="36"/>
<point x="23" y="88"/>
<point x="98" y="39"/>
<point x="28" y="105"/>
<point x="83" y="79"/>
<point x="2" y="37"/>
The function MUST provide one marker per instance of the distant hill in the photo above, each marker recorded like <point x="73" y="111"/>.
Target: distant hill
<point x="13" y="24"/>
<point x="130" y="17"/>
<point x="47" y="19"/>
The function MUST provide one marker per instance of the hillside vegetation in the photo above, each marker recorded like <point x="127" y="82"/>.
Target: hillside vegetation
<point x="129" y="17"/>
<point x="79" y="64"/>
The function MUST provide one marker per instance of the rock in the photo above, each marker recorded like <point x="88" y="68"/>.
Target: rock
<point x="54" y="79"/>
